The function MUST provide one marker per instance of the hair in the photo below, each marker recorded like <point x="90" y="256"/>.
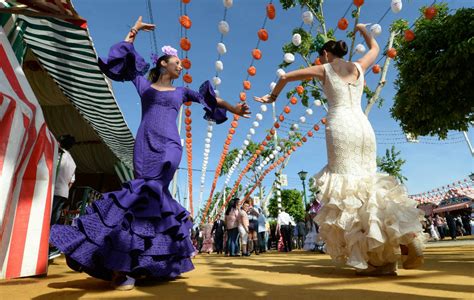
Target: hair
<point x="338" y="48"/>
<point x="66" y="141"/>
<point x="155" y="74"/>
<point x="233" y="204"/>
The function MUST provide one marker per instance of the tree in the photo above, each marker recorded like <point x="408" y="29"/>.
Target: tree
<point x="392" y="164"/>
<point x="291" y="201"/>
<point x="435" y="91"/>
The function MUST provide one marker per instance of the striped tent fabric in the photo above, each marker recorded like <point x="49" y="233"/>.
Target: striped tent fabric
<point x="28" y="152"/>
<point x="67" y="53"/>
<point x="14" y="29"/>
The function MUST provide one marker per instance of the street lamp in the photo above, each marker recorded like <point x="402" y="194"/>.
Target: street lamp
<point x="302" y="175"/>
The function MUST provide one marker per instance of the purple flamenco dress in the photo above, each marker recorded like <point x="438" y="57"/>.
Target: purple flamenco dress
<point x="140" y="229"/>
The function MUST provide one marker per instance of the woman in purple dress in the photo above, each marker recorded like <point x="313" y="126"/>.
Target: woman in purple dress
<point x="141" y="230"/>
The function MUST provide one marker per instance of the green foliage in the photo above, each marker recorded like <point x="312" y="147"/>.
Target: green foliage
<point x="435" y="91"/>
<point x="392" y="164"/>
<point x="291" y="201"/>
<point x="287" y="4"/>
<point x="313" y="189"/>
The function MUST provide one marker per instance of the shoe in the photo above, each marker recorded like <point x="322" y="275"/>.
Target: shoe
<point x="389" y="269"/>
<point x="53" y="254"/>
<point x="415" y="258"/>
<point x="123" y="283"/>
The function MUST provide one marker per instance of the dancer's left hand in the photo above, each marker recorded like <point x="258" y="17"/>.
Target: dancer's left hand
<point x="242" y="109"/>
<point x="265" y="99"/>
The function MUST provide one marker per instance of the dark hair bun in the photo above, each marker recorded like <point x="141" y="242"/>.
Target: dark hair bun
<point x="340" y="48"/>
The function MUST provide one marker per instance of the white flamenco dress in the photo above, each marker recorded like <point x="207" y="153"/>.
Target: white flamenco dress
<point x="365" y="215"/>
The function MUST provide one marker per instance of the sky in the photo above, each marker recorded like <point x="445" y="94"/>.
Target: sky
<point x="429" y="165"/>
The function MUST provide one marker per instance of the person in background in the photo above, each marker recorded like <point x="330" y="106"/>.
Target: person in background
<point x="244" y="228"/>
<point x="451" y="224"/>
<point x="218" y="231"/>
<point x="301" y="228"/>
<point x="253" y="230"/>
<point x="65" y="177"/>
<point x="284" y="228"/>
<point x="262" y="229"/>
<point x="232" y="215"/>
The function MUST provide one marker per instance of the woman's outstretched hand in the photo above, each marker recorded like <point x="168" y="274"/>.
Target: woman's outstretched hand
<point x="265" y="99"/>
<point x="139" y="25"/>
<point x="242" y="109"/>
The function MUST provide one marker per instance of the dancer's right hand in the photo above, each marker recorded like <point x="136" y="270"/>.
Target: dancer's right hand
<point x="139" y="25"/>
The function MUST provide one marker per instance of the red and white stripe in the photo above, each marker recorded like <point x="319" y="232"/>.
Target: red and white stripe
<point x="28" y="152"/>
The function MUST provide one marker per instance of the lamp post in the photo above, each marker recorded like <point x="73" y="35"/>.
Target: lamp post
<point x="302" y="175"/>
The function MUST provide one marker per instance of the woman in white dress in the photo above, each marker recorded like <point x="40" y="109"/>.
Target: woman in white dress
<point x="365" y="216"/>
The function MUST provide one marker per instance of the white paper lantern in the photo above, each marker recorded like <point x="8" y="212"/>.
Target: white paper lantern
<point x="280" y="72"/>
<point x="279" y="204"/>
<point x="252" y="131"/>
<point x="259" y="168"/>
<point x="259" y="117"/>
<point x="302" y="119"/>
<point x="223" y="27"/>
<point x="249" y="136"/>
<point x="308" y="17"/>
<point x="263" y="108"/>
<point x="209" y="128"/>
<point x="291" y="133"/>
<point x="272" y="86"/>
<point x="278" y="148"/>
<point x="274" y="152"/>
<point x="216" y="80"/>
<point x="278" y="193"/>
<point x="279" y="200"/>
<point x="289" y="58"/>
<point x="239" y="156"/>
<point x="246" y="142"/>
<point x="376" y="30"/>
<point x="207" y="146"/>
<point x="207" y="150"/>
<point x="207" y="140"/>
<point x="255" y="124"/>
<point x="219" y="66"/>
<point x="209" y="134"/>
<point x="221" y="48"/>
<point x="271" y="156"/>
<point x="317" y="102"/>
<point x="295" y="126"/>
<point x="396" y="6"/>
<point x="360" y="48"/>
<point x="309" y="111"/>
<point x="296" y="39"/>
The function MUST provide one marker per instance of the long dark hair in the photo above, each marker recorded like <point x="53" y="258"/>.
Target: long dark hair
<point x="232" y="205"/>
<point x="338" y="48"/>
<point x="155" y="74"/>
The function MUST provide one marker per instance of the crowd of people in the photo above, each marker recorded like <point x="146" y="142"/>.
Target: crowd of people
<point x="246" y="230"/>
<point x="449" y="224"/>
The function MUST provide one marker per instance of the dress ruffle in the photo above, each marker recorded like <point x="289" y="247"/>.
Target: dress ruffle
<point x="139" y="230"/>
<point x="209" y="102"/>
<point x="123" y="63"/>
<point x="365" y="218"/>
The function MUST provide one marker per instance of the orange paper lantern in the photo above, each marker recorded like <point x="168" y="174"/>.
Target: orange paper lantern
<point x="293" y="100"/>
<point x="247" y="85"/>
<point x="299" y="144"/>
<point x="277" y="125"/>
<point x="310" y="133"/>
<point x="300" y="89"/>
<point x="187" y="112"/>
<point x="376" y="69"/>
<point x="271" y="11"/>
<point x="189" y="135"/>
<point x="304" y="139"/>
<point x="232" y="131"/>
<point x="185" y="21"/>
<point x="188" y="121"/>
<point x="281" y="118"/>
<point x="430" y="12"/>
<point x="257" y="54"/>
<point x="252" y="71"/>
<point x="234" y="124"/>
<point x="263" y="34"/>
<point x="185" y="44"/>
<point x="188" y="103"/>
<point x="343" y="24"/>
<point x="287" y="109"/>
<point x="391" y="52"/>
<point x="409" y="35"/>
<point x="358" y="3"/>
<point x="243" y="96"/>
<point x="323" y="120"/>
<point x="316" y="127"/>
<point x="186" y="63"/>
<point x="187" y="78"/>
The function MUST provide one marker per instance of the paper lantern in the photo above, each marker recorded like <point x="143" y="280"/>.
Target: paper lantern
<point x="256" y="54"/>
<point x="287" y="109"/>
<point x="263" y="34"/>
<point x="360" y="48"/>
<point x="409" y="35"/>
<point x="259" y="117"/>
<point x="221" y="49"/>
<point x="255" y="124"/>
<point x="185" y="21"/>
<point x="228" y="3"/>
<point x="247" y="85"/>
<point x="323" y="120"/>
<point x="243" y="96"/>
<point x="302" y="119"/>
<point x="281" y="118"/>
<point x="376" y="69"/>
<point x="272" y="85"/>
<point x="223" y="27"/>
<point x="276" y="125"/>
<point x="271" y="11"/>
<point x="186" y="63"/>
<point x="219" y="66"/>
<point x="392" y="53"/>
<point x="342" y="24"/>
<point x="396" y="6"/>
<point x="187" y="78"/>
<point x="185" y="44"/>
<point x="280" y="72"/>
<point x="293" y="100"/>
<point x="252" y="71"/>
<point x="309" y="111"/>
<point x="310" y="133"/>
<point x="358" y="3"/>
<point x="263" y="108"/>
<point x="376" y="30"/>
<point x="216" y="80"/>
<point x="317" y="102"/>
<point x="289" y="58"/>
<point x="308" y="17"/>
<point x="430" y="12"/>
<point x="252" y="131"/>
<point x="296" y="39"/>
<point x="316" y="127"/>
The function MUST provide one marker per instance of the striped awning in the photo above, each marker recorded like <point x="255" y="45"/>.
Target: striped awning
<point x="67" y="53"/>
